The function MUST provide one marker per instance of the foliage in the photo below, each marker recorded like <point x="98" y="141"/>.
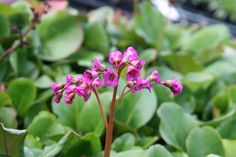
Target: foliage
<point x="199" y="122"/>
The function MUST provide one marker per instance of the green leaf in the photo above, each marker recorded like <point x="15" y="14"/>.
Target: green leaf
<point x="78" y="115"/>
<point x="197" y="80"/>
<point x="45" y="125"/>
<point x="153" y="151"/>
<point x="8" y="117"/>
<point x="123" y="142"/>
<point x="204" y="141"/>
<point x="96" y="38"/>
<point x="43" y="82"/>
<point x="163" y="93"/>
<point x="175" y="124"/>
<point x="207" y="38"/>
<point x="5" y="99"/>
<point x="227" y="129"/>
<point x="22" y="92"/>
<point x="179" y="154"/>
<point x="89" y="118"/>
<point x="87" y="145"/>
<point x="145" y="142"/>
<point x="230" y="148"/>
<point x="232" y="95"/>
<point x="149" y="55"/>
<point x="149" y="24"/>
<point x="136" y="109"/>
<point x="5" y="28"/>
<point x="61" y="35"/>
<point x="182" y="63"/>
<point x="12" y="141"/>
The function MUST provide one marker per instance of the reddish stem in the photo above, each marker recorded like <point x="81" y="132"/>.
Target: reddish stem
<point x="101" y="108"/>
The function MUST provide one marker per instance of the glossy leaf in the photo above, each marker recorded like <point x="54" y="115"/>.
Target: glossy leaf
<point x="204" y="141"/>
<point x="61" y="35"/>
<point x="123" y="142"/>
<point x="175" y="124"/>
<point x="22" y="92"/>
<point x="149" y="24"/>
<point x="136" y="109"/>
<point x="12" y="141"/>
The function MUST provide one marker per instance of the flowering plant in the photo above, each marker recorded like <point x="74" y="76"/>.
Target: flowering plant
<point x="91" y="81"/>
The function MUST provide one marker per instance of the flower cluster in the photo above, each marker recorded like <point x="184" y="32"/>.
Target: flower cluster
<point x="93" y="79"/>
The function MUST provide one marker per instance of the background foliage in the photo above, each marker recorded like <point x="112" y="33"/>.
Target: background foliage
<point x="200" y="122"/>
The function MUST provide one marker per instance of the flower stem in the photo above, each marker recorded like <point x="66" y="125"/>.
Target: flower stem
<point x="101" y="108"/>
<point x="110" y="125"/>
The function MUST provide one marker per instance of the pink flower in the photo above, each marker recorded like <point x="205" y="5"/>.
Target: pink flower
<point x="89" y="76"/>
<point x="97" y="65"/>
<point x="140" y="84"/>
<point x="69" y="79"/>
<point x="87" y="94"/>
<point x="115" y="58"/>
<point x="56" y="99"/>
<point x="132" y="74"/>
<point x="69" y="98"/>
<point x="79" y="90"/>
<point x="155" y="77"/>
<point x="79" y="80"/>
<point x="138" y="63"/>
<point x="97" y="83"/>
<point x="137" y="85"/>
<point x="130" y="55"/>
<point x="175" y="86"/>
<point x="57" y="86"/>
<point x="69" y="89"/>
<point x="110" y="78"/>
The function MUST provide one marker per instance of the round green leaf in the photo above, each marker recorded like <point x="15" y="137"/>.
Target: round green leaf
<point x="11" y="141"/>
<point x="45" y="125"/>
<point x="175" y="124"/>
<point x="8" y="117"/>
<point x="196" y="80"/>
<point x="136" y="109"/>
<point x="204" y="141"/>
<point x="150" y="23"/>
<point x="123" y="142"/>
<point x="153" y="151"/>
<point x="207" y="38"/>
<point x="230" y="148"/>
<point x="227" y="129"/>
<point x="61" y="35"/>
<point x="96" y="38"/>
<point x="22" y="92"/>
<point x="5" y="99"/>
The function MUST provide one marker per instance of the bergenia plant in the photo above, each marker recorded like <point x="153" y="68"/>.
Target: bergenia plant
<point x="100" y="75"/>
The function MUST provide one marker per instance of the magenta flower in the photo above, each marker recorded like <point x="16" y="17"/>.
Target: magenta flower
<point x="69" y="98"/>
<point x="175" y="86"/>
<point x="57" y="86"/>
<point x="138" y="63"/>
<point x="56" y="99"/>
<point x="138" y="85"/>
<point x="79" y="90"/>
<point x="97" y="65"/>
<point x="155" y="77"/>
<point x="130" y="55"/>
<point x="69" y="89"/>
<point x="69" y="79"/>
<point x="110" y="78"/>
<point x="115" y="58"/>
<point x="79" y="80"/>
<point x="89" y="76"/>
<point x="132" y="74"/>
<point x="87" y="94"/>
<point x="97" y="83"/>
